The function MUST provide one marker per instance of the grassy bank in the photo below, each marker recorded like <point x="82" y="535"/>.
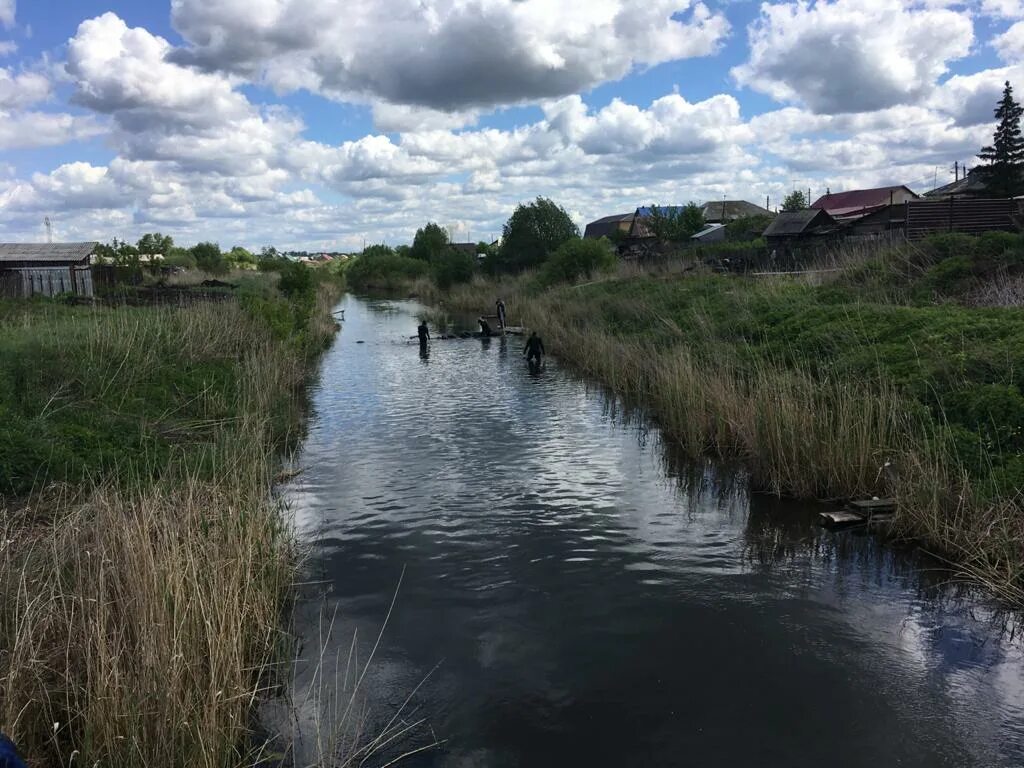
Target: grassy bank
<point x="882" y="377"/>
<point x="144" y="567"/>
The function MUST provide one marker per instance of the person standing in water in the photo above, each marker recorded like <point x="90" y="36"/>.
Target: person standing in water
<point x="423" y="332"/>
<point x="534" y="349"/>
<point x="501" y="312"/>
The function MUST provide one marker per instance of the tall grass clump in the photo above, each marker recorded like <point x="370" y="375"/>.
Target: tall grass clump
<point x="144" y="567"/>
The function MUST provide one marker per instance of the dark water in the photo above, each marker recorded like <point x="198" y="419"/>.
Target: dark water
<point x="594" y="601"/>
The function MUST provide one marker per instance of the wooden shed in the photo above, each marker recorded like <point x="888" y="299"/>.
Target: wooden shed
<point x="795" y="227"/>
<point x="45" y="269"/>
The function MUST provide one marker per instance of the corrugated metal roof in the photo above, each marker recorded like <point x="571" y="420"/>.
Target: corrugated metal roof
<point x="45" y="251"/>
<point x="665" y="210"/>
<point x="797" y="222"/>
<point x="727" y="210"/>
<point x="856" y="199"/>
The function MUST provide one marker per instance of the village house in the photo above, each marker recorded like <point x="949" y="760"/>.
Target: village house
<point x="796" y="229"/>
<point x="847" y="207"/>
<point x="45" y="269"/>
<point x="724" y="211"/>
<point x="608" y="226"/>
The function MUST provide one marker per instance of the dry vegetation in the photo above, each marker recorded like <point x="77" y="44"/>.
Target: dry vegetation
<point x="144" y="597"/>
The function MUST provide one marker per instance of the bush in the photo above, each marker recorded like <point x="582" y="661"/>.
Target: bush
<point x="180" y="258"/>
<point x="452" y="267"/>
<point x="578" y="258"/>
<point x="209" y="258"/>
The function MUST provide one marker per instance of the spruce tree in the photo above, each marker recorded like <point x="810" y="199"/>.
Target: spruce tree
<point x="1004" y="173"/>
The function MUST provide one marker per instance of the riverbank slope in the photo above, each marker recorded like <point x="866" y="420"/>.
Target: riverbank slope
<point x="144" y="566"/>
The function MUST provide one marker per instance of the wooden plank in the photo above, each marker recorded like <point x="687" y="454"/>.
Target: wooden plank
<point x="841" y="517"/>
<point x="870" y="506"/>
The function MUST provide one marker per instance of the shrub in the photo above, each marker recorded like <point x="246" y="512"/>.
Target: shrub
<point x="209" y="258"/>
<point x="578" y="258"/>
<point x="452" y="267"/>
<point x="383" y="270"/>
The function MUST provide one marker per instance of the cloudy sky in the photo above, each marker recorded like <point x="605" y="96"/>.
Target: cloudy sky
<point x="327" y="124"/>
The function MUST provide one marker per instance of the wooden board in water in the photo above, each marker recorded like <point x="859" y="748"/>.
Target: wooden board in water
<point x="841" y="518"/>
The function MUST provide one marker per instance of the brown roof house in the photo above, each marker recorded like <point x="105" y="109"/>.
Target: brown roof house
<point x="845" y="207"/>
<point x="45" y="269"/>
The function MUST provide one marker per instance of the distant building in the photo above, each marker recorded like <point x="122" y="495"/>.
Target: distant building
<point x="470" y="249"/>
<point x="609" y="225"/>
<point x="45" y="269"/>
<point x="712" y="233"/>
<point x="846" y="207"/>
<point x="971" y="185"/>
<point x="723" y="211"/>
<point x="794" y="228"/>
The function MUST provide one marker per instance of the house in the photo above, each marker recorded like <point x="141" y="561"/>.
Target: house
<point x="45" y="269"/>
<point x="470" y="249"/>
<point x="846" y="207"/>
<point x="723" y="211"/>
<point x="639" y="228"/>
<point x="879" y="223"/>
<point x="795" y="228"/>
<point x="971" y="185"/>
<point x="712" y="233"/>
<point x="608" y="226"/>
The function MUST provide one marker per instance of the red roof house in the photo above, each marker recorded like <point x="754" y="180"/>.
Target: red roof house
<point x="852" y="205"/>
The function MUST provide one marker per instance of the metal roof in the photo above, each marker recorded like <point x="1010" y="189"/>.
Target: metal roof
<point x="723" y="210"/>
<point x="857" y="199"/>
<point x="664" y="210"/>
<point x="797" y="222"/>
<point x="45" y="251"/>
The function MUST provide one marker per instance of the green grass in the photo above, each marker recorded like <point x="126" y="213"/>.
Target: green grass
<point x="146" y="568"/>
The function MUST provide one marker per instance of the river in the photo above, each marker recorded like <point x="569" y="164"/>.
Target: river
<point x="573" y="593"/>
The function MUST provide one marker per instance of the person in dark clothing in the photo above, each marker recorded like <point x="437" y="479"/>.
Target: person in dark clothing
<point x="485" y="327"/>
<point x="423" y="332"/>
<point x="501" y="312"/>
<point x="534" y="349"/>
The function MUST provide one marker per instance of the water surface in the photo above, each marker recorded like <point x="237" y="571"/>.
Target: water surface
<point x="594" y="600"/>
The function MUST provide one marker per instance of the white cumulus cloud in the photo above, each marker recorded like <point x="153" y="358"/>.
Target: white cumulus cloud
<point x="852" y="55"/>
<point x="449" y="55"/>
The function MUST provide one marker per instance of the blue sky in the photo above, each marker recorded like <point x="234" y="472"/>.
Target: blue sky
<point x="321" y="125"/>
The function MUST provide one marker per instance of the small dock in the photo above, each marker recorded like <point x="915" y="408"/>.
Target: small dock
<point x="860" y="512"/>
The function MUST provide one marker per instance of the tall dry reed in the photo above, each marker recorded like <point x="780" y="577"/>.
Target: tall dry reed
<point x="143" y="619"/>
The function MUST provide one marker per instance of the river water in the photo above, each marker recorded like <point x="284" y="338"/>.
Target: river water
<point x="574" y="594"/>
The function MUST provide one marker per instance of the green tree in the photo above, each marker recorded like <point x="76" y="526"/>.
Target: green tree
<point x="795" y="201"/>
<point x="673" y="225"/>
<point x="532" y="233"/>
<point x="453" y="266"/>
<point x="209" y="258"/>
<point x="429" y="243"/>
<point x="154" y="243"/>
<point x="1004" y="173"/>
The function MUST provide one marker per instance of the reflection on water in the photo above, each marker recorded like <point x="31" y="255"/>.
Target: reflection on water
<point x="595" y="600"/>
